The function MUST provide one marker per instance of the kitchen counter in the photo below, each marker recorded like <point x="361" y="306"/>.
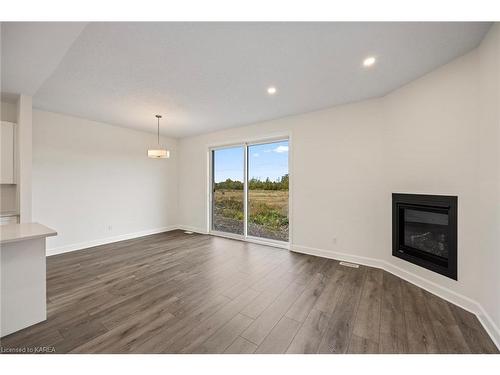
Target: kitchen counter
<point x="23" y="296"/>
<point x="25" y="231"/>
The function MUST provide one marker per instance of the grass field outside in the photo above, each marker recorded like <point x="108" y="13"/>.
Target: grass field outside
<point x="268" y="213"/>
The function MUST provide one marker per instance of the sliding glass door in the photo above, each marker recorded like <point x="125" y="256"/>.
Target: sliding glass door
<point x="268" y="191"/>
<point x="250" y="190"/>
<point x="228" y="197"/>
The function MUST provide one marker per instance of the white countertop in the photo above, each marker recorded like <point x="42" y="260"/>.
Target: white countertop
<point x="25" y="231"/>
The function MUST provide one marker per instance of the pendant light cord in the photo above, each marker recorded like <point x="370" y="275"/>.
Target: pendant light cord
<point x="158" y="130"/>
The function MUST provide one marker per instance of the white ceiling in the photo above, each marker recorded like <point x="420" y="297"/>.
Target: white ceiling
<point x="31" y="52"/>
<point x="208" y="76"/>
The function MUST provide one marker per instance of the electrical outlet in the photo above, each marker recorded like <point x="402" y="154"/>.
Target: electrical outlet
<point x="334" y="240"/>
<point x="109" y="228"/>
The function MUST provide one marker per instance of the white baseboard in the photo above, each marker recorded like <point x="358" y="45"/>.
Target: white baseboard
<point x="489" y="325"/>
<point x="458" y="299"/>
<point x="255" y="240"/>
<point x="107" y="240"/>
<point x="371" y="262"/>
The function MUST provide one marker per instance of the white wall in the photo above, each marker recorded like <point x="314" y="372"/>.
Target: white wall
<point x="488" y="273"/>
<point x="331" y="141"/>
<point x="8" y="111"/>
<point x="93" y="182"/>
<point x="432" y="146"/>
<point x="425" y="137"/>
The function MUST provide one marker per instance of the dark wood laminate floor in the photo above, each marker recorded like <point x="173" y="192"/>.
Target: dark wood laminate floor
<point x="178" y="293"/>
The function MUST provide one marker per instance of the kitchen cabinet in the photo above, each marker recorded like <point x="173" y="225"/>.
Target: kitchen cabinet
<point x="7" y="138"/>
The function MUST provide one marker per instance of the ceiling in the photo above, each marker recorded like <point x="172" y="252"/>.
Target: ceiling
<point x="208" y="76"/>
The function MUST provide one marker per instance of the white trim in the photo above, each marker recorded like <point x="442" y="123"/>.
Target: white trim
<point x="232" y="236"/>
<point x="107" y="240"/>
<point x="291" y="150"/>
<point x="268" y="138"/>
<point x="268" y="242"/>
<point x="458" y="299"/>
<point x="371" y="262"/>
<point x="488" y="324"/>
<point x="246" y="165"/>
<point x="209" y="192"/>
<point x="239" y="237"/>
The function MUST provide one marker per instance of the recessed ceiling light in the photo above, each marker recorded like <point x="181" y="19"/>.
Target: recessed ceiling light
<point x="369" y="61"/>
<point x="271" y="90"/>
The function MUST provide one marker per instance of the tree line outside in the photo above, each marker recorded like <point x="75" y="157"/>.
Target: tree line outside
<point x="254" y="184"/>
<point x="268" y="207"/>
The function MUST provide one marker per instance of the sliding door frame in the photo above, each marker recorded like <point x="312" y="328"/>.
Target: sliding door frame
<point x="245" y="144"/>
<point x="211" y="183"/>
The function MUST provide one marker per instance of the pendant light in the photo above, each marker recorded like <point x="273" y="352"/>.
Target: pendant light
<point x="159" y="152"/>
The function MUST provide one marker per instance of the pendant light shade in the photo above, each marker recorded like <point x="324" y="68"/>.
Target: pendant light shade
<point x="158" y="152"/>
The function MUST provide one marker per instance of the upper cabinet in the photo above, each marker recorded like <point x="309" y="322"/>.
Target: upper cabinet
<point x="7" y="137"/>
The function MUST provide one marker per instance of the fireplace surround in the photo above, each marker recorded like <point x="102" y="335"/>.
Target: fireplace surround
<point x="424" y="231"/>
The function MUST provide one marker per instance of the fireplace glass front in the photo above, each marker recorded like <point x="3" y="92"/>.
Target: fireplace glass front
<point x="424" y="231"/>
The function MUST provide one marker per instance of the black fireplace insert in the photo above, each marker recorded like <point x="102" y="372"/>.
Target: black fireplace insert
<point x="424" y="231"/>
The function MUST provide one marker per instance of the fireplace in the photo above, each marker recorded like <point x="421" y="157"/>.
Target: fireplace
<point x="424" y="231"/>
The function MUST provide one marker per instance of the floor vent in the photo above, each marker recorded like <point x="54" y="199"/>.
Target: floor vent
<point x="188" y="232"/>
<point x="347" y="264"/>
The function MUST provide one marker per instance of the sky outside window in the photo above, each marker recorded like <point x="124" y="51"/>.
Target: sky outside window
<point x="268" y="160"/>
<point x="228" y="163"/>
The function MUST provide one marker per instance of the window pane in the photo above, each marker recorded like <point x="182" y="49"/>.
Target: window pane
<point x="268" y="190"/>
<point x="228" y="177"/>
